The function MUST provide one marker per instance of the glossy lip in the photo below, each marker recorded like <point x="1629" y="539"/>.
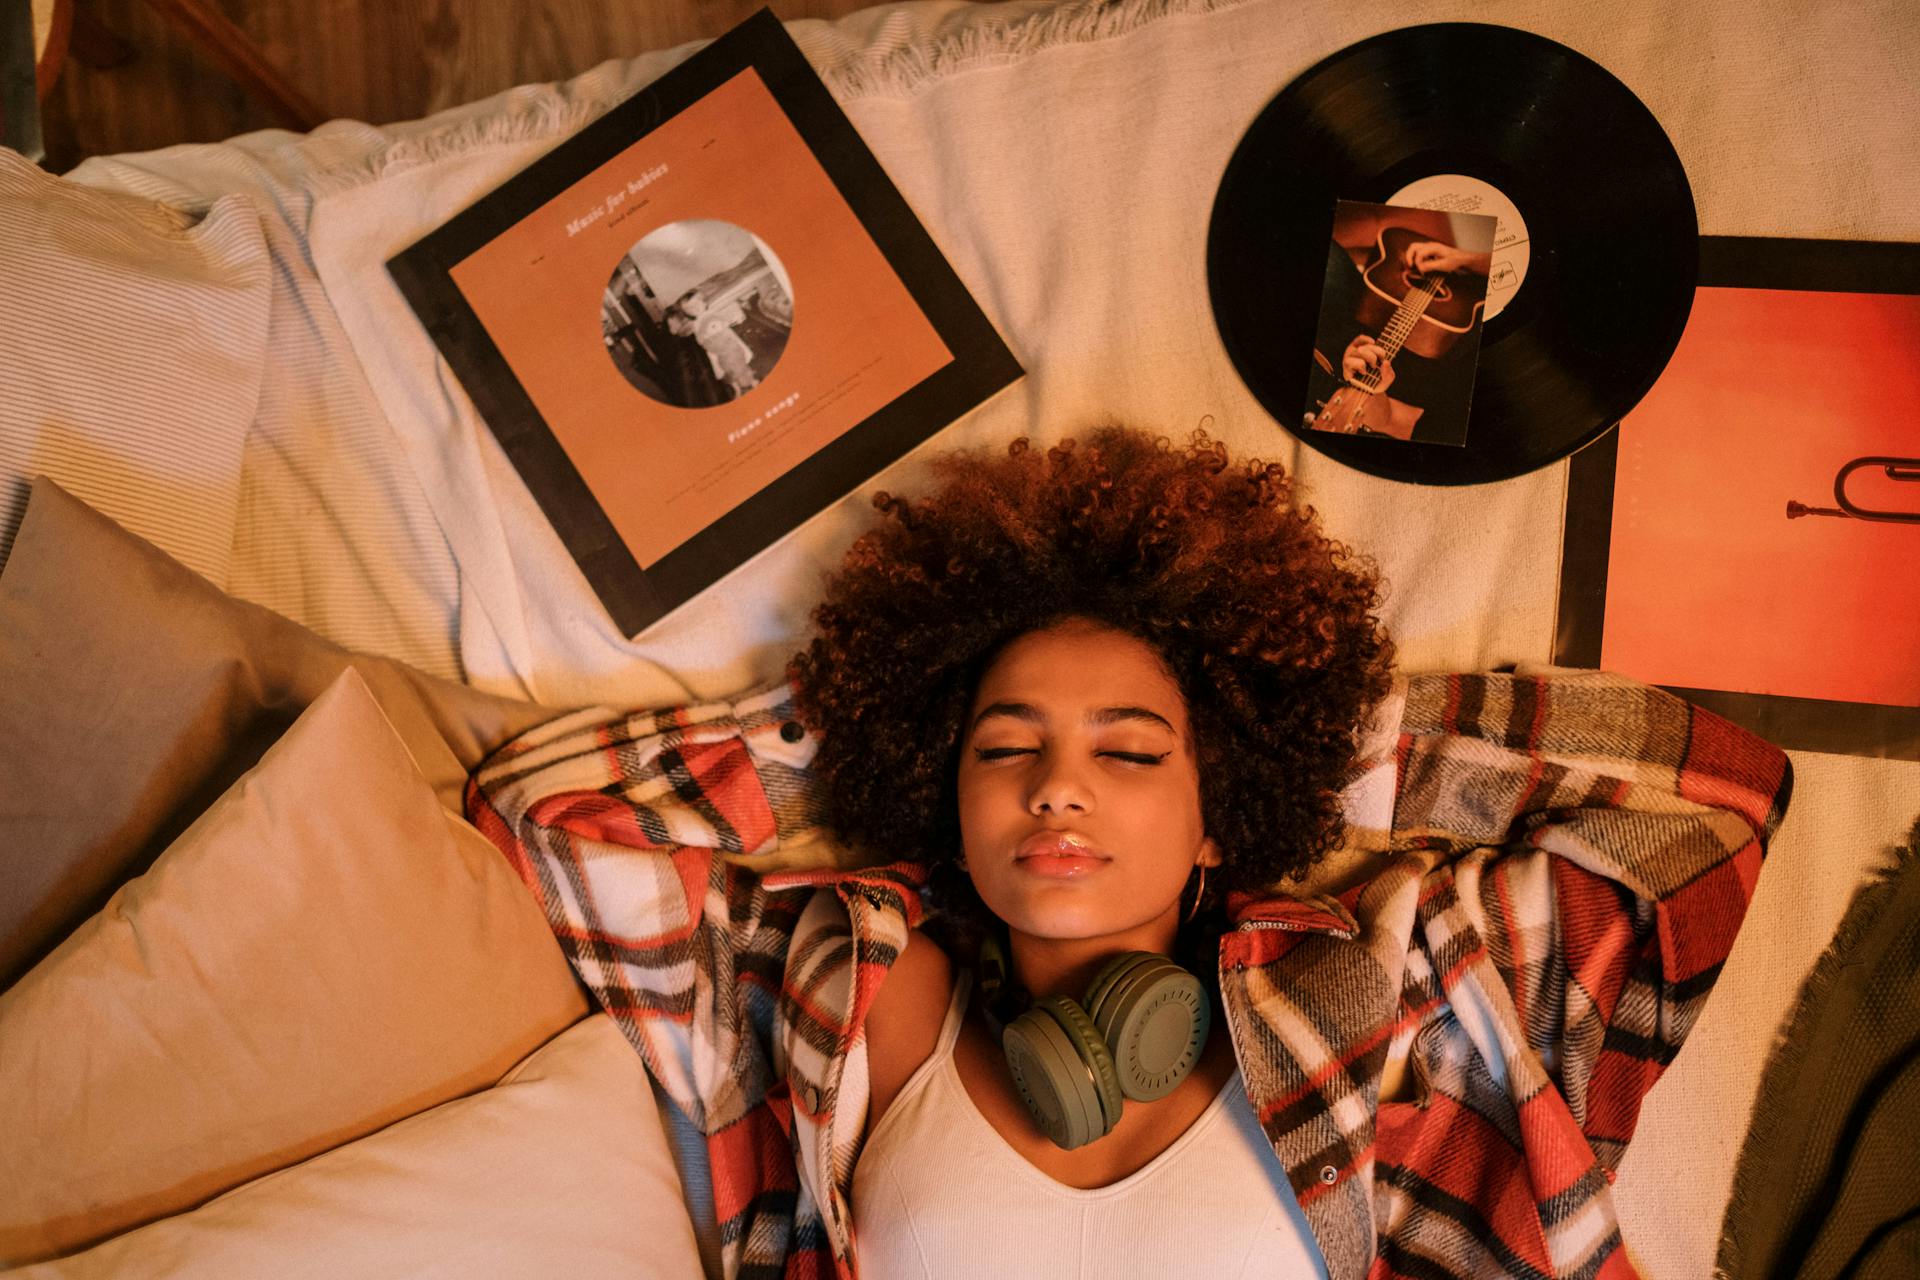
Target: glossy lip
<point x="1059" y="853"/>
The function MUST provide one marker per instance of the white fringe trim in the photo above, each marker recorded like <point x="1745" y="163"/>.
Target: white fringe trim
<point x="982" y="35"/>
<point x="983" y="39"/>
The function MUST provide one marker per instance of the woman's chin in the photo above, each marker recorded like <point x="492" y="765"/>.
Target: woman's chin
<point x="1057" y="913"/>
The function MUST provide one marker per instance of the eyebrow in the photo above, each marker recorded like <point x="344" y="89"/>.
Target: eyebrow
<point x="1104" y="716"/>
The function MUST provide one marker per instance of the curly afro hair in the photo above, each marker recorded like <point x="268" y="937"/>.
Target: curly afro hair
<point x="1266" y="625"/>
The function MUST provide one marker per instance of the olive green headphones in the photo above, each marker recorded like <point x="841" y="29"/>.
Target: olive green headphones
<point x="1136" y="1035"/>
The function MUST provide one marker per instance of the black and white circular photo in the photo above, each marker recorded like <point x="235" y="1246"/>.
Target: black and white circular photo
<point x="697" y="313"/>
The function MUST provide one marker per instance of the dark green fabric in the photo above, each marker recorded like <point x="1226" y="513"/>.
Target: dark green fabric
<point x="1828" y="1186"/>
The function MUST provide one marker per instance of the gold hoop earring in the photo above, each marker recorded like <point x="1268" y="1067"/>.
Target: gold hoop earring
<point x="1198" y="894"/>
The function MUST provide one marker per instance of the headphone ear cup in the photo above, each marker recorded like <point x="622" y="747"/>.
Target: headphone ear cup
<point x="1111" y="974"/>
<point x="1116" y="985"/>
<point x="1096" y="1060"/>
<point x="1054" y="1077"/>
<point x="1145" y="1022"/>
<point x="1155" y="1016"/>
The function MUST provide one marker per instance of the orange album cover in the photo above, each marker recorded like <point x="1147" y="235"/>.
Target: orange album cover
<point x="697" y="315"/>
<point x="1716" y="579"/>
<point x="700" y="320"/>
<point x="1750" y="535"/>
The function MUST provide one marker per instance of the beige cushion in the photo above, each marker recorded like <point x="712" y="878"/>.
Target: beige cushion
<point x="134" y="335"/>
<point x="132" y="693"/>
<point x="561" y="1170"/>
<point x="325" y="951"/>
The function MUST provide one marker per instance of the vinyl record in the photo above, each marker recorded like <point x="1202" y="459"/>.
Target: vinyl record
<point x="1610" y="239"/>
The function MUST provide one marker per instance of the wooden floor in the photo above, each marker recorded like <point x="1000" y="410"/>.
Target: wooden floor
<point x="373" y="60"/>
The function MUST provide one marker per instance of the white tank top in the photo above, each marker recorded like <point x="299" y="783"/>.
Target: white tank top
<point x="938" y="1193"/>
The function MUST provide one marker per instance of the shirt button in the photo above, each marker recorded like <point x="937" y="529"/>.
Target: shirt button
<point x="1329" y="1175"/>
<point x="792" y="732"/>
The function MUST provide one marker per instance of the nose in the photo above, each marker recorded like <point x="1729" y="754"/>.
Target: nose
<point x="1059" y="789"/>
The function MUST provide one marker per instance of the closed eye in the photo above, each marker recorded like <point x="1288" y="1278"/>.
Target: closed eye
<point x="1131" y="757"/>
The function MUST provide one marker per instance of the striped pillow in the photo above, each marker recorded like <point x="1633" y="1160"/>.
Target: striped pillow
<point x="132" y="336"/>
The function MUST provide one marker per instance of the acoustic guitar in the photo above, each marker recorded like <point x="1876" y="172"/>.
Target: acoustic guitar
<point x="1422" y="313"/>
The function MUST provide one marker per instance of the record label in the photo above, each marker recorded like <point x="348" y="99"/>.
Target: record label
<point x="1458" y="193"/>
<point x="1597" y="224"/>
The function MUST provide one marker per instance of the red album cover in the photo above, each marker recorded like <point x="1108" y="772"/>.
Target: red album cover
<point x="1762" y="532"/>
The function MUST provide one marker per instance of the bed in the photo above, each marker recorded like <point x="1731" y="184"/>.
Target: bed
<point x="271" y="545"/>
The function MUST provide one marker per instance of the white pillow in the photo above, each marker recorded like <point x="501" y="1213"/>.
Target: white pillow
<point x="559" y="1170"/>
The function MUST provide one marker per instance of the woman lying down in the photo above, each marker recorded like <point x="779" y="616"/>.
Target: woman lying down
<point x="1061" y="915"/>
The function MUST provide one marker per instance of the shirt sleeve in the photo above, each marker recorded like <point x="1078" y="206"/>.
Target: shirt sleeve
<point x="680" y="861"/>
<point x="637" y="834"/>
<point x="1605" y="838"/>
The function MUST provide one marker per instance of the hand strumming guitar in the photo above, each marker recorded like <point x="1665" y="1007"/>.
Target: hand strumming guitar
<point x="1431" y="257"/>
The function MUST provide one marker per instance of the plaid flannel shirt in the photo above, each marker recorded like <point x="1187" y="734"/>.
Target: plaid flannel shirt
<point x="1568" y="860"/>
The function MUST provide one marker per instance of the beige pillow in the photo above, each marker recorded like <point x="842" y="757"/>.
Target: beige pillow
<point x="132" y="341"/>
<point x="561" y="1170"/>
<point x="132" y="693"/>
<point x="325" y="951"/>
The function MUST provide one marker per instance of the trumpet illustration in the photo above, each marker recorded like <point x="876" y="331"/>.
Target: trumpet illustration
<point x="1904" y="469"/>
